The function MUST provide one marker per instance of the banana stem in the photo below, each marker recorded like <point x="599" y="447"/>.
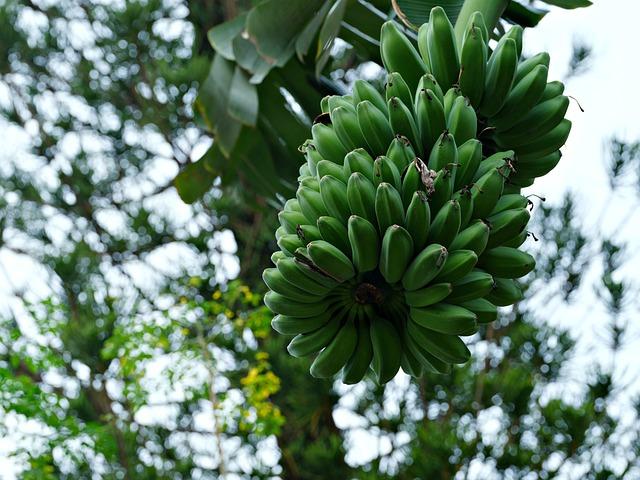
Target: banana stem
<point x="490" y="9"/>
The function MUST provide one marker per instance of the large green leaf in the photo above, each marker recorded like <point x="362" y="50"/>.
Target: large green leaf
<point x="221" y="36"/>
<point x="243" y="98"/>
<point x="193" y="181"/>
<point x="525" y="16"/>
<point x="274" y="25"/>
<point x="569" y="3"/>
<point x="305" y="39"/>
<point x="248" y="58"/>
<point x="414" y="13"/>
<point x="328" y="33"/>
<point x="212" y="103"/>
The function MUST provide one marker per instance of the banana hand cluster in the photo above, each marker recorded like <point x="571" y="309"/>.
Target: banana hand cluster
<point x="405" y="230"/>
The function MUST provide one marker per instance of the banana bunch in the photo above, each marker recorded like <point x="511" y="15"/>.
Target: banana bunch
<point x="405" y="230"/>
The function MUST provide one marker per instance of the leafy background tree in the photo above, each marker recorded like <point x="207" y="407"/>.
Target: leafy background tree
<point x="131" y="354"/>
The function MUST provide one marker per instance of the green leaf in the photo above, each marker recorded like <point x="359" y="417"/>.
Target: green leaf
<point x="243" y="98"/>
<point x="569" y="4"/>
<point x="221" y="36"/>
<point x="248" y="58"/>
<point x="193" y="181"/>
<point x="212" y="103"/>
<point x="523" y="15"/>
<point x="304" y="40"/>
<point x="328" y="33"/>
<point x="273" y="26"/>
<point x="414" y="13"/>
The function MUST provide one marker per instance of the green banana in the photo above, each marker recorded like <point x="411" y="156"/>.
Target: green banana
<point x="400" y="152"/>
<point x="462" y="121"/>
<point x="510" y="202"/>
<point x="553" y="89"/>
<point x="506" y="262"/>
<point x="324" y="104"/>
<point x="473" y="65"/>
<point x="418" y="220"/>
<point x="345" y="101"/>
<point x="505" y="292"/>
<point x="312" y="182"/>
<point x="540" y="120"/>
<point x="345" y="124"/>
<point x="399" y="55"/>
<point x="430" y="118"/>
<point x="327" y="167"/>
<point x="546" y="144"/>
<point x="500" y="160"/>
<point x="469" y="158"/>
<point x="365" y="244"/>
<point x="446" y="224"/>
<point x="447" y="348"/>
<point x="429" y="362"/>
<point x="526" y="67"/>
<point x="311" y="204"/>
<point x="327" y="143"/>
<point x="449" y="99"/>
<point x="536" y="167"/>
<point x="374" y="122"/>
<point x="397" y="87"/>
<point x="441" y="45"/>
<point x="295" y="273"/>
<point x="424" y="267"/>
<point x="358" y="364"/>
<point x="458" y="264"/>
<point x="522" y="98"/>
<point x="284" y="306"/>
<point x="486" y="312"/>
<point x="277" y="255"/>
<point x="361" y="195"/>
<point x="336" y="354"/>
<point x="334" y="196"/>
<point x="445" y="318"/>
<point x="465" y="200"/>
<point x="409" y="363"/>
<point x="395" y="254"/>
<point x="289" y="220"/>
<point x="296" y="326"/>
<point x="429" y="82"/>
<point x="364" y="91"/>
<point x="307" y="344"/>
<point x="388" y="207"/>
<point x="277" y="282"/>
<point x="402" y="122"/>
<point x="387" y="349"/>
<point x="506" y="225"/>
<point x="444" y="153"/>
<point x="500" y="73"/>
<point x="412" y="181"/>
<point x="330" y="260"/>
<point x="442" y="188"/>
<point x="360" y="161"/>
<point x="334" y="231"/>
<point x="384" y="170"/>
<point x="427" y="296"/>
<point x="486" y="192"/>
<point x="516" y="32"/>
<point x="289" y="242"/>
<point x="476" y="284"/>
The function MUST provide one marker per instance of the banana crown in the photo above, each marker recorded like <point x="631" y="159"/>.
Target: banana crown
<point x="405" y="230"/>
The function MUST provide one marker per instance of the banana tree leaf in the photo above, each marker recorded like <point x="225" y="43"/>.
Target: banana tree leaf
<point x="569" y="4"/>
<point x="255" y="164"/>
<point x="193" y="181"/>
<point x="365" y="18"/>
<point x="243" y="98"/>
<point x="305" y="39"/>
<point x="221" y="36"/>
<point x="273" y="26"/>
<point x="414" y="13"/>
<point x="328" y="34"/>
<point x="525" y="16"/>
<point x="212" y="104"/>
